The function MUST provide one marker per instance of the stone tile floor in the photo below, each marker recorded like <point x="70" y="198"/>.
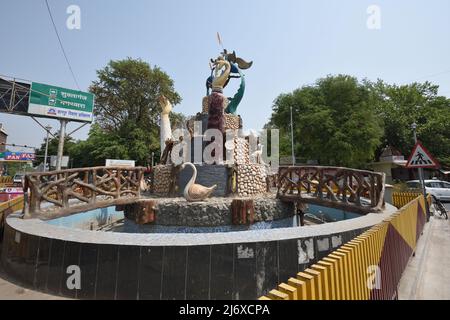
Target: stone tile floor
<point x="12" y="291"/>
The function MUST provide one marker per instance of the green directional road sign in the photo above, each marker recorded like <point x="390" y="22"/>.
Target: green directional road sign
<point x="61" y="103"/>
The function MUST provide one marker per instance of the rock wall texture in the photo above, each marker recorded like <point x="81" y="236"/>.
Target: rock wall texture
<point x="232" y="122"/>
<point x="162" y="175"/>
<point x="241" y="151"/>
<point x="212" y="212"/>
<point x="251" y="179"/>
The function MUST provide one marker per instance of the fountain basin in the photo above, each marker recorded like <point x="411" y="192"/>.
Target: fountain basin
<point x="116" y="265"/>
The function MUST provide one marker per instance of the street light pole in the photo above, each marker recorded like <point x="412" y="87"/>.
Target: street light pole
<point x="421" y="175"/>
<point x="47" y="128"/>
<point x="292" y="139"/>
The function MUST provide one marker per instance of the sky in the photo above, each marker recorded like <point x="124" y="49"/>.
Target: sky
<point x="292" y="44"/>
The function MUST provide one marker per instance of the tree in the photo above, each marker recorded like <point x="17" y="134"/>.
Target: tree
<point x="334" y="122"/>
<point x="400" y="106"/>
<point x="126" y="113"/>
<point x="69" y="144"/>
<point x="127" y="92"/>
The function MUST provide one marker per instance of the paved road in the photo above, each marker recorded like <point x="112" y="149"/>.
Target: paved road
<point x="447" y="205"/>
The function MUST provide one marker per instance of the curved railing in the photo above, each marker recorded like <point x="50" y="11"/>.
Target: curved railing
<point x="342" y="188"/>
<point x="58" y="193"/>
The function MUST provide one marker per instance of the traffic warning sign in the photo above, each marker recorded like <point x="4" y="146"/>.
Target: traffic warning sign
<point x="421" y="158"/>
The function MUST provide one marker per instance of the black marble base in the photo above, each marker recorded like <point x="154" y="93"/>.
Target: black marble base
<point x="217" y="272"/>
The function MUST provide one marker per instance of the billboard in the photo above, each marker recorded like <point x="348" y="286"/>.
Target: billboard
<point x="61" y="103"/>
<point x="64" y="161"/>
<point x="119" y="163"/>
<point x="42" y="100"/>
<point x="17" y="156"/>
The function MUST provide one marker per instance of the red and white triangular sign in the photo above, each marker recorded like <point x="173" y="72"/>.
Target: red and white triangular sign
<point x="421" y="158"/>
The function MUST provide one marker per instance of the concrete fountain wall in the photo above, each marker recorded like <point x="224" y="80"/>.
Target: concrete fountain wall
<point x="232" y="265"/>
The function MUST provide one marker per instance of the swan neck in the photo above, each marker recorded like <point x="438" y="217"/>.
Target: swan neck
<point x="194" y="175"/>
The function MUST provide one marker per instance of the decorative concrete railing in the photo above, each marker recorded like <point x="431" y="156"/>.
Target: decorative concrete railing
<point x="75" y="190"/>
<point x="341" y="188"/>
<point x="369" y="267"/>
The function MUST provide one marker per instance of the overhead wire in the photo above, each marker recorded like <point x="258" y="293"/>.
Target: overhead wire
<point x="61" y="45"/>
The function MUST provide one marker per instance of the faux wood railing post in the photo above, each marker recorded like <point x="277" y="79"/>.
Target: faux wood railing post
<point x="341" y="188"/>
<point x="116" y="185"/>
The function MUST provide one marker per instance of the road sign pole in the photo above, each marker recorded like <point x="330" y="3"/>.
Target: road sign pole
<point x="62" y="135"/>
<point x="48" y="128"/>
<point x="421" y="176"/>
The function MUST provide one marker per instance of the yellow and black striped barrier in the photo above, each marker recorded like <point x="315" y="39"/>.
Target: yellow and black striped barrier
<point x="401" y="199"/>
<point x="368" y="267"/>
<point x="9" y="207"/>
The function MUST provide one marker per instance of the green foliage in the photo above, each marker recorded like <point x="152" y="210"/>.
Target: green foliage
<point x="400" y="106"/>
<point x="127" y="91"/>
<point x="340" y="121"/>
<point x="334" y="122"/>
<point x="18" y="167"/>
<point x="126" y="115"/>
<point x="69" y="144"/>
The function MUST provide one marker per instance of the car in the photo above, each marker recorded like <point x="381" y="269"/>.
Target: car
<point x="437" y="188"/>
<point x="18" y="179"/>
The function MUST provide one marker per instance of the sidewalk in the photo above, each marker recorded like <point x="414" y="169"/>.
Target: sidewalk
<point x="11" y="291"/>
<point x="427" y="275"/>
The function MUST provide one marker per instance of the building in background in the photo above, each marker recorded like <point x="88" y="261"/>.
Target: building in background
<point x="393" y="164"/>
<point x="3" y="137"/>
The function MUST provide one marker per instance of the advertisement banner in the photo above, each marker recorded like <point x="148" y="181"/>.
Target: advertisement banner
<point x="17" y="156"/>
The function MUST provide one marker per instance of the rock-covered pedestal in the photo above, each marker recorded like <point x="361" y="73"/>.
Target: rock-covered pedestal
<point x="216" y="211"/>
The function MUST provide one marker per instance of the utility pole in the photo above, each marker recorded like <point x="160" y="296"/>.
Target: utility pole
<point x="62" y="135"/>
<point x="292" y="139"/>
<point x="421" y="175"/>
<point x="47" y="128"/>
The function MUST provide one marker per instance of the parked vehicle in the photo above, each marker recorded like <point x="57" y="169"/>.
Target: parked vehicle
<point x="440" y="190"/>
<point x="440" y="209"/>
<point x="18" y="179"/>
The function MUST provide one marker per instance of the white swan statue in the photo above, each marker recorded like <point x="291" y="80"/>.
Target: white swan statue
<point x="196" y="192"/>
